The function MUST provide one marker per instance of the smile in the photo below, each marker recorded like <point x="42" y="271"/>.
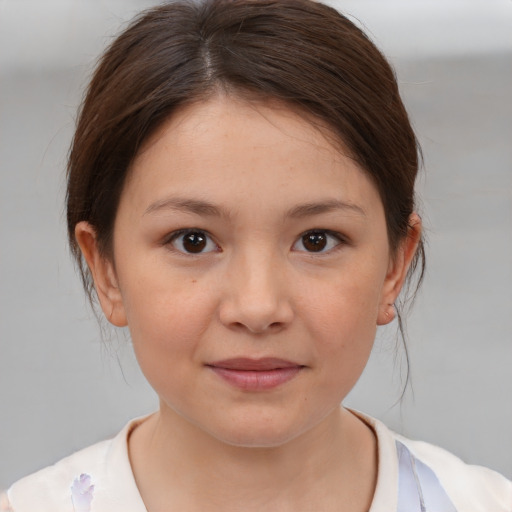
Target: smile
<point x="255" y="374"/>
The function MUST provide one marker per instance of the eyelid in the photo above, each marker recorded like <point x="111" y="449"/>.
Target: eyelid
<point x="172" y="237"/>
<point x="342" y="240"/>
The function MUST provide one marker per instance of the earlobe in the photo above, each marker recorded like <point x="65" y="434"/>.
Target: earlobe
<point x="103" y="274"/>
<point x="397" y="271"/>
<point x="387" y="314"/>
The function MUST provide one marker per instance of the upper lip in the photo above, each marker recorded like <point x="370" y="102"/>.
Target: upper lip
<point x="248" y="364"/>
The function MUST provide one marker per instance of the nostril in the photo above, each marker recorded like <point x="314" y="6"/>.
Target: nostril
<point x="257" y="328"/>
<point x="255" y="314"/>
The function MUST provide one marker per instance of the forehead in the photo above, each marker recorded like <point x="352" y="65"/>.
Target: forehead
<point x="190" y="123"/>
<point x="227" y="146"/>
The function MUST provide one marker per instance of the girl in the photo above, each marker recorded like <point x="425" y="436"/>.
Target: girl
<point x="241" y="196"/>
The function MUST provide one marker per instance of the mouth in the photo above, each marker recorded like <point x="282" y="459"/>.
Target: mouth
<point x="256" y="374"/>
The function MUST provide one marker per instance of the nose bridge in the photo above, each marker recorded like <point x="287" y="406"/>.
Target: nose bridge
<point x="255" y="293"/>
<point x="259" y="275"/>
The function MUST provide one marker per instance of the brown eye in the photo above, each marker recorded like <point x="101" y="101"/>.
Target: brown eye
<point x="314" y="242"/>
<point x="318" y="241"/>
<point x="193" y="242"/>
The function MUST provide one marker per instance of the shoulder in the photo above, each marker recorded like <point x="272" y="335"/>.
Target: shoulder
<point x="415" y="475"/>
<point x="471" y="488"/>
<point x="50" y="488"/>
<point x="100" y="473"/>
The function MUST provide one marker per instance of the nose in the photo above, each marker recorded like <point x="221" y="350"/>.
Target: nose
<point x="256" y="297"/>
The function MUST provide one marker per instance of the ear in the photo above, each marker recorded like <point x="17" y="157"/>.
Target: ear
<point x="397" y="271"/>
<point x="103" y="274"/>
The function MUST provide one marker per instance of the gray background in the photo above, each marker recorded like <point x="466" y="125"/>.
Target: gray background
<point x="62" y="388"/>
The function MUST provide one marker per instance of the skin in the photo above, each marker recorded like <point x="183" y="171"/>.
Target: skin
<point x="253" y="178"/>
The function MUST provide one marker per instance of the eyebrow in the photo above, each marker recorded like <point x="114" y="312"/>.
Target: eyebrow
<point x="196" y="206"/>
<point x="327" y="206"/>
<point x="205" y="208"/>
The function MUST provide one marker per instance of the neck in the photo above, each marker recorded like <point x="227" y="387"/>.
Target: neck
<point x="331" y="465"/>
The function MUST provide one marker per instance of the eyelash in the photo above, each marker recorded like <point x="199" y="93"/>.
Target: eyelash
<point x="340" y="240"/>
<point x="177" y="235"/>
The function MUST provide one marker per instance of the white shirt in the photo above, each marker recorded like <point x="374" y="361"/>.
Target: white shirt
<point x="412" y="477"/>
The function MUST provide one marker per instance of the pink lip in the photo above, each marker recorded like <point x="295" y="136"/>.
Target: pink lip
<point x="256" y="374"/>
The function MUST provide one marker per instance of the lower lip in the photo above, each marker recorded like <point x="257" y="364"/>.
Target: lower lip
<point x="251" y="380"/>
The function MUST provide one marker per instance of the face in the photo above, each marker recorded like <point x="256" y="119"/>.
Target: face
<point x="251" y="264"/>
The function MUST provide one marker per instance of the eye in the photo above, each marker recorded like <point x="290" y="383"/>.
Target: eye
<point x="318" y="241"/>
<point x="192" y="241"/>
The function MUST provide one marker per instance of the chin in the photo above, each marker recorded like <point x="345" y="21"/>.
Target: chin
<point x="261" y="432"/>
<point x="256" y="439"/>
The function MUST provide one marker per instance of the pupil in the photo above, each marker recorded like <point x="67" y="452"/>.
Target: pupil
<point x="314" y="242"/>
<point x="194" y="242"/>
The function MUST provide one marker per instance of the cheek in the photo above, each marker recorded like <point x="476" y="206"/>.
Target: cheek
<point x="343" y="320"/>
<point x="345" y="310"/>
<point x="166" y="318"/>
<point x="348" y="334"/>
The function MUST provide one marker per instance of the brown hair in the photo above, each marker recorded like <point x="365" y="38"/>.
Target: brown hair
<point x="300" y="52"/>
